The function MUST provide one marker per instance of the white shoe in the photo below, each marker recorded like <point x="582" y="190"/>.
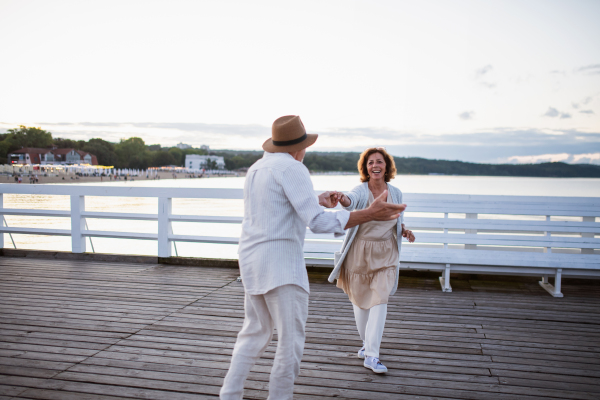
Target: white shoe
<point x="361" y="353"/>
<point x="374" y="364"/>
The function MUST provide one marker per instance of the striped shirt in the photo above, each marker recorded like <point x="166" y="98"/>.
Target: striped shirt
<point x="279" y="203"/>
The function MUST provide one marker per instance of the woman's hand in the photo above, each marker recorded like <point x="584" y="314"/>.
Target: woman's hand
<point x="407" y="233"/>
<point x="343" y="199"/>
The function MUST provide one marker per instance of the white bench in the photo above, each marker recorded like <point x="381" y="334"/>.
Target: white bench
<point x="535" y="236"/>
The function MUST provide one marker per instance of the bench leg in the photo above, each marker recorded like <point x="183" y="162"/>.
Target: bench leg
<point x="553" y="290"/>
<point x="445" y="279"/>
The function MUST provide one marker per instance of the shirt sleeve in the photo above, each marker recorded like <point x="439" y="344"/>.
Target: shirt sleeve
<point x="299" y="190"/>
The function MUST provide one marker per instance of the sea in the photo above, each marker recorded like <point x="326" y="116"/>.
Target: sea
<point x="442" y="184"/>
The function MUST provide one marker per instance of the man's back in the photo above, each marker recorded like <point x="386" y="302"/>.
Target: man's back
<point x="272" y="239"/>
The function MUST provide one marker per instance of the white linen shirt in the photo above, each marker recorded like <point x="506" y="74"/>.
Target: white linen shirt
<point x="279" y="203"/>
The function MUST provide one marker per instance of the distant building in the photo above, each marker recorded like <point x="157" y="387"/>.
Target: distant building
<point x="196" y="162"/>
<point x="32" y="155"/>
<point x="205" y="147"/>
<point x="183" y="146"/>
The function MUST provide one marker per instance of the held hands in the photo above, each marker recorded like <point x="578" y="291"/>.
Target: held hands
<point x="382" y="211"/>
<point x="328" y="199"/>
<point x="332" y="198"/>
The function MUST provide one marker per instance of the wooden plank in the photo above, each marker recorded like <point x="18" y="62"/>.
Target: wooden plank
<point x="8" y="391"/>
<point x="40" y="364"/>
<point x="102" y="389"/>
<point x="44" y="394"/>
<point x="27" y="371"/>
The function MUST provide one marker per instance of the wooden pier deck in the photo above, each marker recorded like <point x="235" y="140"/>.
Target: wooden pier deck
<point x="89" y="330"/>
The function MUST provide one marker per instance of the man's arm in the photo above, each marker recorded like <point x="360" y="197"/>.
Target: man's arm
<point x="298" y="188"/>
<point x="378" y="211"/>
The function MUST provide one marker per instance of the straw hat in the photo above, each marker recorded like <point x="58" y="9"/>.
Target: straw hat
<point x="288" y="135"/>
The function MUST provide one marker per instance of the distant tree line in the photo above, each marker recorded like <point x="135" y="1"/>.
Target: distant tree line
<point x="128" y="153"/>
<point x="134" y="153"/>
<point x="318" y="161"/>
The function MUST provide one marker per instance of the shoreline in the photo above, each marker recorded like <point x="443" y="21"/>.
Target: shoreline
<point x="90" y="179"/>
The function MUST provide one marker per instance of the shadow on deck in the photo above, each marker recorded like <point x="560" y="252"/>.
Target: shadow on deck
<point x="73" y="330"/>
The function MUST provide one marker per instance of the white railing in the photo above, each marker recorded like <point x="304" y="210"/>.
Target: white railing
<point x="78" y="213"/>
<point x="474" y="230"/>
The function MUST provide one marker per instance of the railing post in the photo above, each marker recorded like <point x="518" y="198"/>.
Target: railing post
<point x="2" y="221"/>
<point x="77" y="223"/>
<point x="548" y="233"/>
<point x="164" y="226"/>
<point x="446" y="232"/>
<point x="588" y="234"/>
<point x="473" y="231"/>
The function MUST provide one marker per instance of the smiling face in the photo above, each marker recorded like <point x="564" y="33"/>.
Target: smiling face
<point x="376" y="167"/>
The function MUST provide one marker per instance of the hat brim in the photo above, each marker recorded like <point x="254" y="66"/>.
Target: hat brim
<point x="268" y="145"/>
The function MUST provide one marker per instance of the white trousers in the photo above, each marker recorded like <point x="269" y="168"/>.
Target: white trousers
<point x="370" y="324"/>
<point x="286" y="309"/>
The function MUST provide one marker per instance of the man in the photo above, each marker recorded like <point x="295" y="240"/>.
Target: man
<point x="279" y="203"/>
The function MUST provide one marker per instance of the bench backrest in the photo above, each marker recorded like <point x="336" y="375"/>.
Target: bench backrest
<point x="520" y="223"/>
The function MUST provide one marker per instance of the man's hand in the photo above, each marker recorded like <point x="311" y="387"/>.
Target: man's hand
<point x="378" y="211"/>
<point x="383" y="211"/>
<point x="328" y="199"/>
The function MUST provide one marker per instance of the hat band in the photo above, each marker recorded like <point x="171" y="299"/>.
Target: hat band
<point x="289" y="142"/>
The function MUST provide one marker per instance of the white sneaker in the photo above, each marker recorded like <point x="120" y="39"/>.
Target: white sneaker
<point x="361" y="352"/>
<point x="374" y="364"/>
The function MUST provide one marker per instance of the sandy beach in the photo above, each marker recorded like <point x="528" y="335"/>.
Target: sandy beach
<point x="88" y="179"/>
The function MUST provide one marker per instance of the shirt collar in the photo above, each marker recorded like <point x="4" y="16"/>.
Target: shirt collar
<point x="268" y="155"/>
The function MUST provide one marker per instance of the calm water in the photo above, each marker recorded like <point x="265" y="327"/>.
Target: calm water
<point x="584" y="187"/>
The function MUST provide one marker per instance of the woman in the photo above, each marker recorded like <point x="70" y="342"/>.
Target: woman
<point x="367" y="265"/>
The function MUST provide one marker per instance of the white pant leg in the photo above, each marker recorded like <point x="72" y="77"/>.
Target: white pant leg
<point x="374" y="332"/>
<point x="361" y="317"/>
<point x="288" y="306"/>
<point x="251" y="342"/>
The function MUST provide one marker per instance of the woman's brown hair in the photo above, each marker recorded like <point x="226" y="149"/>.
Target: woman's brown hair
<point x="390" y="166"/>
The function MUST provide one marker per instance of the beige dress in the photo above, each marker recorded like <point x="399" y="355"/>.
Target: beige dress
<point x="368" y="273"/>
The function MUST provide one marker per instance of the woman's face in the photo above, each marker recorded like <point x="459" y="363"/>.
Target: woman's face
<point x="376" y="166"/>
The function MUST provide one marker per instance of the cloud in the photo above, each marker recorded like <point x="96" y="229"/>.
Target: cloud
<point x="483" y="70"/>
<point x="587" y="100"/>
<point x="489" y="146"/>
<point x="592" y="69"/>
<point x="553" y="112"/>
<point x="558" y="72"/>
<point x="488" y="85"/>
<point x="467" y="115"/>
<point x="586" y="158"/>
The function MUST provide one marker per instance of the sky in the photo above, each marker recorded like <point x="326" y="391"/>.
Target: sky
<point x="480" y="81"/>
